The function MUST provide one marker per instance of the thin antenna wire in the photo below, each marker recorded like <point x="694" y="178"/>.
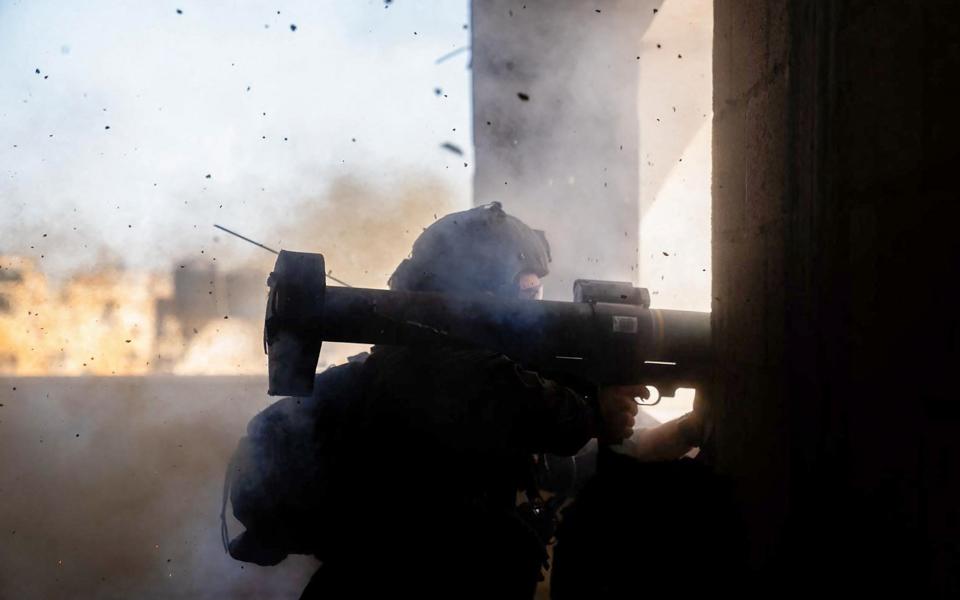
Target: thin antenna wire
<point x="269" y="249"/>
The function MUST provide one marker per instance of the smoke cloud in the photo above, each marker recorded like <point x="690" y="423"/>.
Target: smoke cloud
<point x="128" y="130"/>
<point x="111" y="489"/>
<point x="145" y="126"/>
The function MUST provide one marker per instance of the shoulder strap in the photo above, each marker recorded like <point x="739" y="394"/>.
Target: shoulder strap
<point x="227" y="481"/>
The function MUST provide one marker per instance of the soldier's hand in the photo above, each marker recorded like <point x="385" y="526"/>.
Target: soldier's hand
<point x="618" y="409"/>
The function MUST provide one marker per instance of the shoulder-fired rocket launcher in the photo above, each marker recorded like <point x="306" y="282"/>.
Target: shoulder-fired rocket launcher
<point x="607" y="335"/>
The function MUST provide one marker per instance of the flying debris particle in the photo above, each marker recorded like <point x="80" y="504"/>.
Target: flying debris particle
<point x="128" y="341"/>
<point x="437" y="91"/>
<point x="225" y="317"/>
<point x="293" y="27"/>
<point x="207" y="175"/>
<point x="524" y="97"/>
<point x="452" y="148"/>
<point x="679" y="56"/>
<point x="248" y="88"/>
<point x="107" y="127"/>
<point x="659" y="46"/>
<point x="596" y="10"/>
<point x="179" y="11"/>
<point x="666" y="254"/>
<point x="353" y="139"/>
<point x="655" y="11"/>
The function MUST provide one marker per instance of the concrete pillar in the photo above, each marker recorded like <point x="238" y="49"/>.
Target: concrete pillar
<point x="555" y="126"/>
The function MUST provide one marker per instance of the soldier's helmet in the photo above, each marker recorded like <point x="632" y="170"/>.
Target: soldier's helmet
<point x="481" y="250"/>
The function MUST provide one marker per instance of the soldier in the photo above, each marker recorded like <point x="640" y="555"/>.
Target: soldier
<point x="435" y="446"/>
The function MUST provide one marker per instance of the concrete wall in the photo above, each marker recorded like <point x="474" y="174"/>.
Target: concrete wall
<point x="675" y="108"/>
<point x="834" y="242"/>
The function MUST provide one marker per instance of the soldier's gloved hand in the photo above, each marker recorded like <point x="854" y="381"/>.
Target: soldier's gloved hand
<point x="618" y="408"/>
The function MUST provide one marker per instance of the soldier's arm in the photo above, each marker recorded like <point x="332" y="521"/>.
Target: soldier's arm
<point x="666" y="441"/>
<point x="540" y="415"/>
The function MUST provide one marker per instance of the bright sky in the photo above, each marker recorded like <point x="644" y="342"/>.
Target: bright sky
<point x="107" y="149"/>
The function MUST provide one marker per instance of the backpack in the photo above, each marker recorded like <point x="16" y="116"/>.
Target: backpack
<point x="278" y="478"/>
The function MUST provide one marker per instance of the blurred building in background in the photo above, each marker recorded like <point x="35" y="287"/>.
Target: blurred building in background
<point x="195" y="319"/>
